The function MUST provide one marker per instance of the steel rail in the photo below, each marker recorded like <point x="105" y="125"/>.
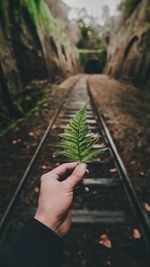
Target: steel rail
<point x="19" y="188"/>
<point x="130" y="191"/>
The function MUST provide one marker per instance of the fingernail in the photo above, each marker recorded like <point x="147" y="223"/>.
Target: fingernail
<point x="86" y="189"/>
<point x="81" y="169"/>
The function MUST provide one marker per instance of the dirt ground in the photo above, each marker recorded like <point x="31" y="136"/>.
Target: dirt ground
<point x="127" y="113"/>
<point x="126" y="110"/>
<point x="18" y="144"/>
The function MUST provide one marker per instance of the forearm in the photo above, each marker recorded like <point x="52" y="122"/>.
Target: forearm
<point x="36" y="245"/>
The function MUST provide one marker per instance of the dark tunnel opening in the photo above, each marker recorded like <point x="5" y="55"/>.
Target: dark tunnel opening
<point x="93" y="66"/>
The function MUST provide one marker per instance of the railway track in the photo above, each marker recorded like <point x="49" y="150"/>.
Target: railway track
<point x="111" y="207"/>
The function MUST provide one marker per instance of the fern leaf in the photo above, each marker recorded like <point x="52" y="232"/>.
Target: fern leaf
<point x="77" y="141"/>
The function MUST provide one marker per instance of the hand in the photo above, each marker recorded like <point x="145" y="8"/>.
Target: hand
<point x="56" y="196"/>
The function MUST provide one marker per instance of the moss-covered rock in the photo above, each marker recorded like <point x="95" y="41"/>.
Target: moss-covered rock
<point x="33" y="47"/>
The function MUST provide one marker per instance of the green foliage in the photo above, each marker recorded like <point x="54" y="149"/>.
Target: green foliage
<point x="4" y="18"/>
<point x="38" y="3"/>
<point x="129" y="6"/>
<point x="89" y="36"/>
<point x="43" y="19"/>
<point x="85" y="30"/>
<point x="40" y="15"/>
<point x="78" y="141"/>
<point x="2" y="14"/>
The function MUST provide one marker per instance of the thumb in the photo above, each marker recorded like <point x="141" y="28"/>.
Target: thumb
<point x="76" y="176"/>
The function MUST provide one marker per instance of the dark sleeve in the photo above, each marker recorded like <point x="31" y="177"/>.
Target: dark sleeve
<point x="35" y="246"/>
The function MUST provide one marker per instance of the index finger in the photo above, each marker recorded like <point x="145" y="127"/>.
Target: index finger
<point x="62" y="169"/>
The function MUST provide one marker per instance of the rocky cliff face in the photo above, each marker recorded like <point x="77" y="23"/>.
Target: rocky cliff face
<point x="128" y="50"/>
<point x="33" y="46"/>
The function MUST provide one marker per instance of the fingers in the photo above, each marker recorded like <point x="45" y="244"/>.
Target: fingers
<point x="61" y="170"/>
<point x="76" y="176"/>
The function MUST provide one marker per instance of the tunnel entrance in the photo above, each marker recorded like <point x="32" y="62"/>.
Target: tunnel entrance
<point x="92" y="66"/>
<point x="94" y="61"/>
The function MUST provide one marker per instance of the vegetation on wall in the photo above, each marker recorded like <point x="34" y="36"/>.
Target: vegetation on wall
<point x="30" y="49"/>
<point x="128" y="6"/>
<point x="41" y="16"/>
<point x="86" y="54"/>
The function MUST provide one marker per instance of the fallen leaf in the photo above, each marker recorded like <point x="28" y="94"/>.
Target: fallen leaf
<point x="113" y="170"/>
<point x="36" y="189"/>
<point x="147" y="207"/>
<point x="16" y="141"/>
<point x="44" y="167"/>
<point x="31" y="134"/>
<point x="136" y="234"/>
<point x="105" y="241"/>
<point x="54" y="126"/>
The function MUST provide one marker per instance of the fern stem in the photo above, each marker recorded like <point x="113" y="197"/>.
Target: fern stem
<point x="79" y="153"/>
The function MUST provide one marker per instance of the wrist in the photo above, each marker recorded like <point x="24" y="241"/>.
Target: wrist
<point x="47" y="222"/>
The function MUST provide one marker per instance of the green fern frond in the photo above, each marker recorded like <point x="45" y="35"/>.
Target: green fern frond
<point x="77" y="141"/>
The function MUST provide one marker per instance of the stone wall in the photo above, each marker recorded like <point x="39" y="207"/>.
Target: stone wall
<point x="128" y="50"/>
<point x="33" y="46"/>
